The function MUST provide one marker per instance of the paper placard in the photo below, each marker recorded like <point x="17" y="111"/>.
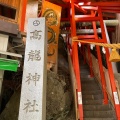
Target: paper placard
<point x="116" y="98"/>
<point x="79" y="98"/>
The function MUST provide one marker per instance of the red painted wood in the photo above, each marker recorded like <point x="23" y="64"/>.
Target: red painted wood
<point x="110" y="70"/>
<point x="75" y="59"/>
<point x="92" y="40"/>
<point x="110" y="8"/>
<point x="23" y="14"/>
<point x="89" y="8"/>
<point x="110" y="11"/>
<point x="80" y="8"/>
<point x="85" y="36"/>
<point x="80" y="19"/>
<point x="102" y="76"/>
<point x="105" y="4"/>
<point x="65" y="19"/>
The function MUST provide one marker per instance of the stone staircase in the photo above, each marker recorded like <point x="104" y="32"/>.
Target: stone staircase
<point x="92" y="96"/>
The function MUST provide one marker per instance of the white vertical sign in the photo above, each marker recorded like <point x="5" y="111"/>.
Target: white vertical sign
<point x="33" y="92"/>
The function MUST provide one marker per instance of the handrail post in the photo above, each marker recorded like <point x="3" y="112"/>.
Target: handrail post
<point x="90" y="61"/>
<point x="110" y="70"/>
<point x="76" y="62"/>
<point x="102" y="76"/>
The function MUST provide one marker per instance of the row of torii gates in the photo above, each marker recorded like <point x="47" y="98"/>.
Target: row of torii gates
<point x="95" y="14"/>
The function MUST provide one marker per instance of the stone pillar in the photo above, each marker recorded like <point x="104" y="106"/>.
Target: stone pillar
<point x="33" y="92"/>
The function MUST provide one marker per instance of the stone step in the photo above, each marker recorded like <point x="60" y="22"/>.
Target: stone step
<point x="84" y="81"/>
<point x="96" y="107"/>
<point x="91" y="83"/>
<point x="91" y="92"/>
<point x="85" y="69"/>
<point x="84" y="66"/>
<point x="92" y="97"/>
<point x="84" y="73"/>
<point x="99" y="114"/>
<point x="90" y="87"/>
<point x="100" y="119"/>
<point x="92" y="102"/>
<point x="87" y="78"/>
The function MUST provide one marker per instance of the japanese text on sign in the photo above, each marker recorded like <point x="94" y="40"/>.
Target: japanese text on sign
<point x="32" y="78"/>
<point x="34" y="55"/>
<point x="35" y="35"/>
<point x="31" y="107"/>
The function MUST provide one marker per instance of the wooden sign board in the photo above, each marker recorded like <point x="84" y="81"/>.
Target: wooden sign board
<point x="33" y="92"/>
<point x="52" y="13"/>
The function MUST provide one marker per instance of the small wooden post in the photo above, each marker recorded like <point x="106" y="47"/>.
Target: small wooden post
<point x="3" y="47"/>
<point x="33" y="93"/>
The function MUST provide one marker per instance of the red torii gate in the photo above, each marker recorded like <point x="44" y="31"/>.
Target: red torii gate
<point x="94" y="8"/>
